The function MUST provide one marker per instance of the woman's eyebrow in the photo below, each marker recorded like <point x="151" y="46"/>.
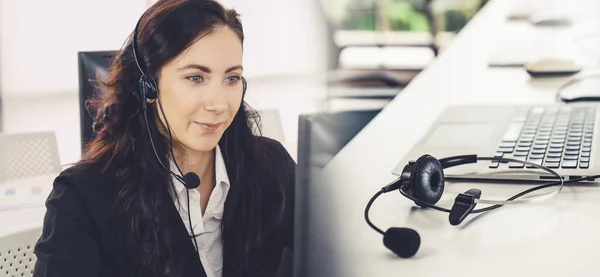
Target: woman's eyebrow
<point x="207" y="69"/>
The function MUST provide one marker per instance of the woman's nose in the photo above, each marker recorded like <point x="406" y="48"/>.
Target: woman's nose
<point x="216" y="101"/>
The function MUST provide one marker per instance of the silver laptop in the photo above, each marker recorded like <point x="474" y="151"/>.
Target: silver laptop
<point x="562" y="137"/>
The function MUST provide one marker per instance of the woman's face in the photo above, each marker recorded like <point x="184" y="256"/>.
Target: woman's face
<point x="201" y="90"/>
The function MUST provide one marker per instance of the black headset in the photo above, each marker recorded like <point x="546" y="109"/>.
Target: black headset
<point x="423" y="182"/>
<point x="148" y="91"/>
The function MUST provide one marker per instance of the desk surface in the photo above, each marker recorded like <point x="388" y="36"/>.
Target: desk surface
<point x="552" y="238"/>
<point x="25" y="210"/>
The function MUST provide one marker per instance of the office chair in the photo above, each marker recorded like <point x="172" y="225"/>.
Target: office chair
<point x="271" y="126"/>
<point x="28" y="155"/>
<point x="16" y="252"/>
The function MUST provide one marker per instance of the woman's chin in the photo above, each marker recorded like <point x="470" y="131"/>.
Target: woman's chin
<point x="207" y="144"/>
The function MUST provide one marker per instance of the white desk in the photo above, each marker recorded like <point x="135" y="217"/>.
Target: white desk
<point x="558" y="237"/>
<point x="31" y="212"/>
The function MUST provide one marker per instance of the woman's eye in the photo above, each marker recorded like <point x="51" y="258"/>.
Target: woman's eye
<point x="195" y="79"/>
<point x="232" y="80"/>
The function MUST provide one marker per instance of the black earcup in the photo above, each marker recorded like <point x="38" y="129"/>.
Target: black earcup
<point x="427" y="180"/>
<point x="245" y="86"/>
<point x="148" y="88"/>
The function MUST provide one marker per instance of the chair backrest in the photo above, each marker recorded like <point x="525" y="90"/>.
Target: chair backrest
<point x="271" y="125"/>
<point x="16" y="252"/>
<point x="28" y="154"/>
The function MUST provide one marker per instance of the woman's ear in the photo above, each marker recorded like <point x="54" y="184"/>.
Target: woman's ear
<point x="150" y="101"/>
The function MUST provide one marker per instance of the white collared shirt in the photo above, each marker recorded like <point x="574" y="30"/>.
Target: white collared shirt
<point x="207" y="228"/>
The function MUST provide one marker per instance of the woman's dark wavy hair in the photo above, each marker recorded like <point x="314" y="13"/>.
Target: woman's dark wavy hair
<point x="122" y="144"/>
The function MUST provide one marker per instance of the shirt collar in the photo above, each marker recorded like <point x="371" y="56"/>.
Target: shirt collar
<point x="221" y="176"/>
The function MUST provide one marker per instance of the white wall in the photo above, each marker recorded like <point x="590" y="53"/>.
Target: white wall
<point x="282" y="36"/>
<point x="40" y="38"/>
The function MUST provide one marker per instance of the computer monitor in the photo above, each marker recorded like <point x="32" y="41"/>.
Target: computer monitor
<point x="321" y="136"/>
<point x="93" y="66"/>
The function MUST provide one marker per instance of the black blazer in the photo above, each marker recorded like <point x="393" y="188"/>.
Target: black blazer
<point x="77" y="239"/>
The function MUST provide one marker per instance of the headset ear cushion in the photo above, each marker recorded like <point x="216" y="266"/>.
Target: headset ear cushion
<point x="148" y="87"/>
<point x="244" y="86"/>
<point x="427" y="180"/>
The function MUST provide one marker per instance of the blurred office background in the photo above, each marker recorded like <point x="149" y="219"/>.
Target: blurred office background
<point x="300" y="56"/>
<point x="342" y="59"/>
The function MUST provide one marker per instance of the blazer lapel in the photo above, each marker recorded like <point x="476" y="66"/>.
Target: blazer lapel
<point x="182" y="243"/>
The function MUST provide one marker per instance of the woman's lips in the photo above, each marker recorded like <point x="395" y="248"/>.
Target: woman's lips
<point x="209" y="127"/>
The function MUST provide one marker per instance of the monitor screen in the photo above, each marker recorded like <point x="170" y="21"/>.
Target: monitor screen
<point x="93" y="66"/>
<point x="321" y="136"/>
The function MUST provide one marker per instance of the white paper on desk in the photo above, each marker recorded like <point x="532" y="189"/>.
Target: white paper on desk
<point x="22" y="194"/>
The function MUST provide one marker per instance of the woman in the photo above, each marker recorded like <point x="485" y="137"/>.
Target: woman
<point x="173" y="111"/>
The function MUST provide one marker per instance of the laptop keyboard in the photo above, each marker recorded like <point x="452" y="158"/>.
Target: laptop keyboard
<point x="556" y="137"/>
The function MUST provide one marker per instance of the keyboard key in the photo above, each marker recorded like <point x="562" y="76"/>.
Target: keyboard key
<point x="536" y="156"/>
<point x="585" y="159"/>
<point x="526" y="139"/>
<point x="588" y="135"/>
<point x="494" y="164"/>
<point x="569" y="164"/>
<point x="507" y="144"/>
<point x="519" y="157"/>
<point x="572" y="152"/>
<point x="574" y="143"/>
<point x="535" y="161"/>
<point x="538" y="151"/>
<point x="586" y="149"/>
<point x="515" y="165"/>
<point x="524" y="144"/>
<point x="551" y="165"/>
<point x="587" y="144"/>
<point x="572" y="148"/>
<point x="522" y="149"/>
<point x="546" y="137"/>
<point x="540" y="144"/>
<point x="585" y="154"/>
<point x="554" y="155"/>
<point x="555" y="150"/>
<point x="573" y="138"/>
<point x="570" y="157"/>
<point x="560" y="128"/>
<point x="553" y="160"/>
<point x="505" y="149"/>
<point x="557" y="140"/>
<point x="556" y="144"/>
<point x="584" y="165"/>
<point x="499" y="154"/>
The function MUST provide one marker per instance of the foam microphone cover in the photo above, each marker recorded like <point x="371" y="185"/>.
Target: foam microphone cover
<point x="191" y="180"/>
<point x="404" y="242"/>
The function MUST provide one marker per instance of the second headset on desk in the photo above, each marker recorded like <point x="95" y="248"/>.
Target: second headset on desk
<point x="422" y="181"/>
